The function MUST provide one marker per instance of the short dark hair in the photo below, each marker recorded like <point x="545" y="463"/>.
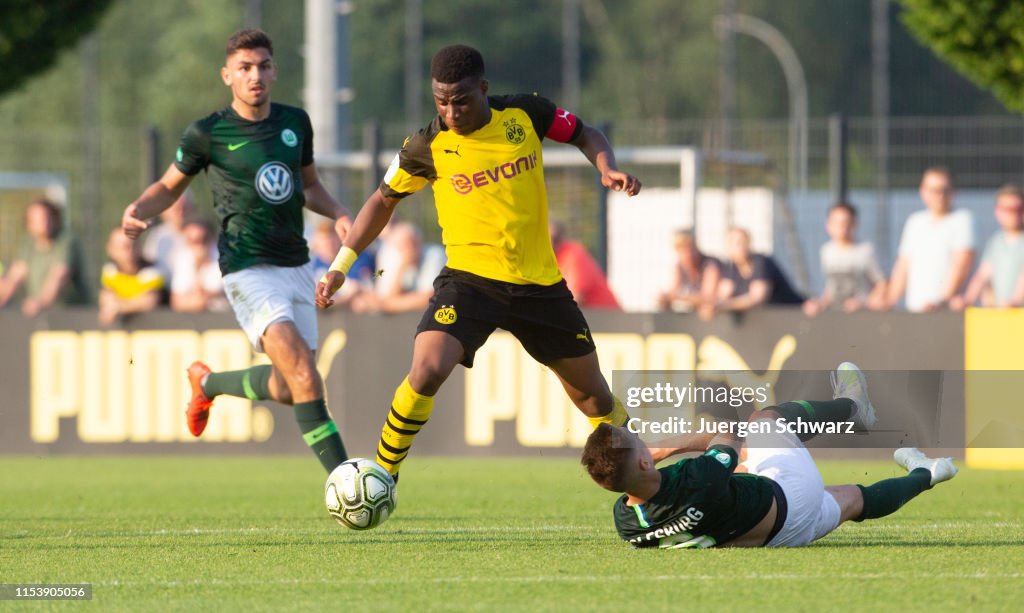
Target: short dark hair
<point x="249" y="38"/>
<point x="606" y="456"/>
<point x="455" y="63"/>
<point x="844" y="206"/>
<point x="54" y="214"/>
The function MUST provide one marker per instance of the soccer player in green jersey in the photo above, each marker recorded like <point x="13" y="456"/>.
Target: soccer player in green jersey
<point x="778" y="501"/>
<point x="482" y="156"/>
<point x="259" y="159"/>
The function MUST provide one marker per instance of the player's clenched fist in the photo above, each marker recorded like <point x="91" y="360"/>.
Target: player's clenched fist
<point x="130" y="222"/>
<point x="621" y="182"/>
<point x="328" y="285"/>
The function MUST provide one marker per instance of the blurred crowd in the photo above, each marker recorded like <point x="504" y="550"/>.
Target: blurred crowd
<point x="936" y="253"/>
<point x="175" y="265"/>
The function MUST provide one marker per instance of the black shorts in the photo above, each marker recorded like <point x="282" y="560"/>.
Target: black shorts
<point x="544" y="318"/>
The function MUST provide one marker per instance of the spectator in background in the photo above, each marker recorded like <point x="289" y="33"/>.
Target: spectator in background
<point x="196" y="284"/>
<point x="49" y="266"/>
<point x="996" y="280"/>
<point x="582" y="273"/>
<point x="853" y="278"/>
<point x="936" y="250"/>
<point x="407" y="273"/>
<point x="167" y="238"/>
<point x="324" y="245"/>
<point x="694" y="277"/>
<point x="749" y="279"/>
<point x="128" y="284"/>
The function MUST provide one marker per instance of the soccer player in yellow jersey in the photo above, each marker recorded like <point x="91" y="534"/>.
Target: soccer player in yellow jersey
<point x="482" y="155"/>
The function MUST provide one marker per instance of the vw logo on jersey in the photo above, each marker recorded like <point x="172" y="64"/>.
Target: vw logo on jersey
<point x="274" y="182"/>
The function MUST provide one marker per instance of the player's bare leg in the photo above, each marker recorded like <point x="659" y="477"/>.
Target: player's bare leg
<point x="434" y="356"/>
<point x="294" y="362"/>
<point x="587" y="388"/>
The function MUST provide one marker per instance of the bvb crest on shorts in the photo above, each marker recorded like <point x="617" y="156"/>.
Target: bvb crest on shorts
<point x="514" y="132"/>
<point x="446" y="314"/>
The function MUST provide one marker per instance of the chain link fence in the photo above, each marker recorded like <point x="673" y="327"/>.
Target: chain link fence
<point x="109" y="166"/>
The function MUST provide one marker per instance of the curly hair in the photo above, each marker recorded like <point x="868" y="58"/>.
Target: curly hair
<point x="455" y="63"/>
<point x="606" y="456"/>
<point x="249" y="38"/>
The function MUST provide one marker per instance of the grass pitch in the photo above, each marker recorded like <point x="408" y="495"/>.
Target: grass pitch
<point x="251" y="533"/>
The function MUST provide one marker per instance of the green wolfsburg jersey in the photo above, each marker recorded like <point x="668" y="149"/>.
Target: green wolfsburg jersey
<point x="255" y="171"/>
<point x="700" y="503"/>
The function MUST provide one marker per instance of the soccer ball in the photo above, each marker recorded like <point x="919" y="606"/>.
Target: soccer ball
<point x="360" y="494"/>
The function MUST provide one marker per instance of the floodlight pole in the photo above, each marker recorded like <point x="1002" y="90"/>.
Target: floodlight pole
<point x="795" y="82"/>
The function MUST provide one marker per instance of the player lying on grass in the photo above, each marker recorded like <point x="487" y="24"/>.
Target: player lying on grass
<point x="780" y="501"/>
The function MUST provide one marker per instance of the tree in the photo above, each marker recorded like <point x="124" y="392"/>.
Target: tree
<point x="982" y="39"/>
<point x="32" y="34"/>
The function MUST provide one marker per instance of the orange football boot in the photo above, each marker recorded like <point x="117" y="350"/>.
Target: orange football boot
<point x="199" y="407"/>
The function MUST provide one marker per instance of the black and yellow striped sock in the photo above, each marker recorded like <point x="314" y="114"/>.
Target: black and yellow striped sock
<point x="252" y="383"/>
<point x="409" y="411"/>
<point x="320" y="433"/>
<point x="617" y="417"/>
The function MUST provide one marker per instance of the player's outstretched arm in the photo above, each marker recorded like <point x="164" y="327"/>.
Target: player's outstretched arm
<point x="598" y="150"/>
<point x="153" y="201"/>
<point x="319" y="200"/>
<point x="684" y="443"/>
<point x="367" y="226"/>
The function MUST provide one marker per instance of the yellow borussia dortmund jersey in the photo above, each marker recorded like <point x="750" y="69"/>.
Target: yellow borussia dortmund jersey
<point x="489" y="190"/>
<point x="127" y="286"/>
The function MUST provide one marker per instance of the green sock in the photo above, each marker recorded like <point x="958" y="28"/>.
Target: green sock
<point x="320" y="433"/>
<point x="252" y="383"/>
<point x="886" y="497"/>
<point x="833" y="411"/>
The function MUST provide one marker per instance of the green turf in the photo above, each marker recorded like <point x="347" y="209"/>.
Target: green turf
<point x="251" y="534"/>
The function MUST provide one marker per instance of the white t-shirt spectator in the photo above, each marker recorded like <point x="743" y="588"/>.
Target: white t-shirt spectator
<point x="928" y="243"/>
<point x="851" y="271"/>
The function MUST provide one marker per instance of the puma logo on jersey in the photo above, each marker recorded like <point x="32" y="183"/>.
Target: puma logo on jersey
<point x="564" y="115"/>
<point x="455" y="151"/>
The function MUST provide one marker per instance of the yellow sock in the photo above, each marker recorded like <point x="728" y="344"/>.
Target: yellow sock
<point x="618" y="416"/>
<point x="409" y="411"/>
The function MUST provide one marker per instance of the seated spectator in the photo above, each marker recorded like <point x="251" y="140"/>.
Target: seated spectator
<point x="407" y="273"/>
<point x="49" y="266"/>
<point x="162" y="241"/>
<point x="694" y="277"/>
<point x="750" y="279"/>
<point x="936" y="249"/>
<point x="128" y="284"/>
<point x="582" y="273"/>
<point x="995" y="282"/>
<point x="196" y="284"/>
<point x="853" y="278"/>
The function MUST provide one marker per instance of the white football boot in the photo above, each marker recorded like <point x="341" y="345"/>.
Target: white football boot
<point x="942" y="469"/>
<point x="849" y="382"/>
